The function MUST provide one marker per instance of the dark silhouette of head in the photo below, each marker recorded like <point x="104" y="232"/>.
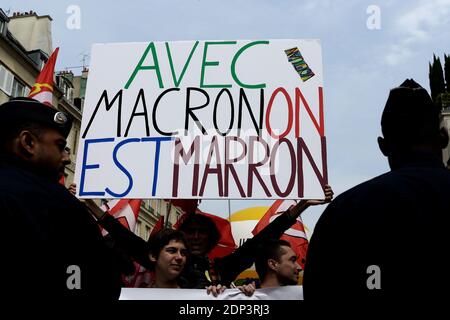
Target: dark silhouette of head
<point x="201" y="233"/>
<point x="410" y="123"/>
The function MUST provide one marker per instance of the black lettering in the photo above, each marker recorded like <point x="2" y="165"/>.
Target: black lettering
<point x="189" y="109"/>
<point x="230" y="125"/>
<point x="139" y="114"/>
<point x="155" y="124"/>
<point x="104" y="96"/>
<point x="243" y="98"/>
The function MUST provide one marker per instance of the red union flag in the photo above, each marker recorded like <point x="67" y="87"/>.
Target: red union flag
<point x="159" y="225"/>
<point x="186" y="205"/>
<point x="124" y="210"/>
<point x="226" y="244"/>
<point x="296" y="235"/>
<point x="42" y="90"/>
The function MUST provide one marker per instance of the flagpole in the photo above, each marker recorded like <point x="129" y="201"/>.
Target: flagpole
<point x="168" y="209"/>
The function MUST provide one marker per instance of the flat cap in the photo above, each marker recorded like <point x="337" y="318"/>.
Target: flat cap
<point x="19" y="111"/>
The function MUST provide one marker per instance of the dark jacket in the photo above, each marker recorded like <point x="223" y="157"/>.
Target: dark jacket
<point x="397" y="222"/>
<point x="126" y="241"/>
<point x="45" y="230"/>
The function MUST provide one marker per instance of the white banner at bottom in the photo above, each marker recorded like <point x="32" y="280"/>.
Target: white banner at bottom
<point x="278" y="293"/>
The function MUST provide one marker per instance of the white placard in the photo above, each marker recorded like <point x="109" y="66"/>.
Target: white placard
<point x="204" y="119"/>
<point x="277" y="293"/>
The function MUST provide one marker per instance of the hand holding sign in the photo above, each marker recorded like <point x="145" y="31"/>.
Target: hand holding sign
<point x="302" y="205"/>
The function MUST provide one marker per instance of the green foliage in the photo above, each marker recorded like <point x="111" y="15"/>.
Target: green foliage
<point x="438" y="85"/>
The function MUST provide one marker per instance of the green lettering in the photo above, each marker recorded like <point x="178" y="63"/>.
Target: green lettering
<point x="141" y="67"/>
<point x="212" y="63"/>
<point x="174" y="77"/>
<point x="233" y="66"/>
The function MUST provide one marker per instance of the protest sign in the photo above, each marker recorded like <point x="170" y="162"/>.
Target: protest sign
<point x="204" y="119"/>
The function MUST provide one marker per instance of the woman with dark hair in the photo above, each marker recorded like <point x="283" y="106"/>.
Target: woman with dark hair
<point x="167" y="252"/>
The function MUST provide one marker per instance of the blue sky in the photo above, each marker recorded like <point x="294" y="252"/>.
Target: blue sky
<point x="360" y="64"/>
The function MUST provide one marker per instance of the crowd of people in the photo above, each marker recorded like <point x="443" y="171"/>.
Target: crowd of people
<point x="395" y="221"/>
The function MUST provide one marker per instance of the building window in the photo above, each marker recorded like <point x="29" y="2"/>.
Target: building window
<point x="10" y="85"/>
<point x="66" y="87"/>
<point x="6" y="80"/>
<point x="75" y="138"/>
<point x="147" y="232"/>
<point x="158" y="206"/>
<point x="138" y="228"/>
<point x="18" y="89"/>
<point x="2" y="28"/>
<point x="68" y="93"/>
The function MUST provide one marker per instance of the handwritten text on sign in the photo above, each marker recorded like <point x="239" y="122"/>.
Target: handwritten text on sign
<point x="204" y="119"/>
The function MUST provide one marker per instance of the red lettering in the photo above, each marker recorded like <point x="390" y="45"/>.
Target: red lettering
<point x="319" y="126"/>
<point x="290" y="115"/>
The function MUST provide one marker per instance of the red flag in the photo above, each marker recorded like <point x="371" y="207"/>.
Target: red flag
<point x="42" y="90"/>
<point x="226" y="244"/>
<point x="124" y="210"/>
<point x="180" y="220"/>
<point x="296" y="235"/>
<point x="186" y="205"/>
<point x="143" y="278"/>
<point x="158" y="226"/>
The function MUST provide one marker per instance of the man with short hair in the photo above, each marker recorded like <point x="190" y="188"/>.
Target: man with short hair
<point x="276" y="264"/>
<point x="51" y="246"/>
<point x="388" y="237"/>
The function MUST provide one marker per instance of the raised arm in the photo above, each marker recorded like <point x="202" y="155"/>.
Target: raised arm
<point x="133" y="245"/>
<point x="230" y="266"/>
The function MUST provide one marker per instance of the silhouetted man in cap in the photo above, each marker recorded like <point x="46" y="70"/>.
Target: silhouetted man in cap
<point x="388" y="237"/>
<point x="51" y="246"/>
